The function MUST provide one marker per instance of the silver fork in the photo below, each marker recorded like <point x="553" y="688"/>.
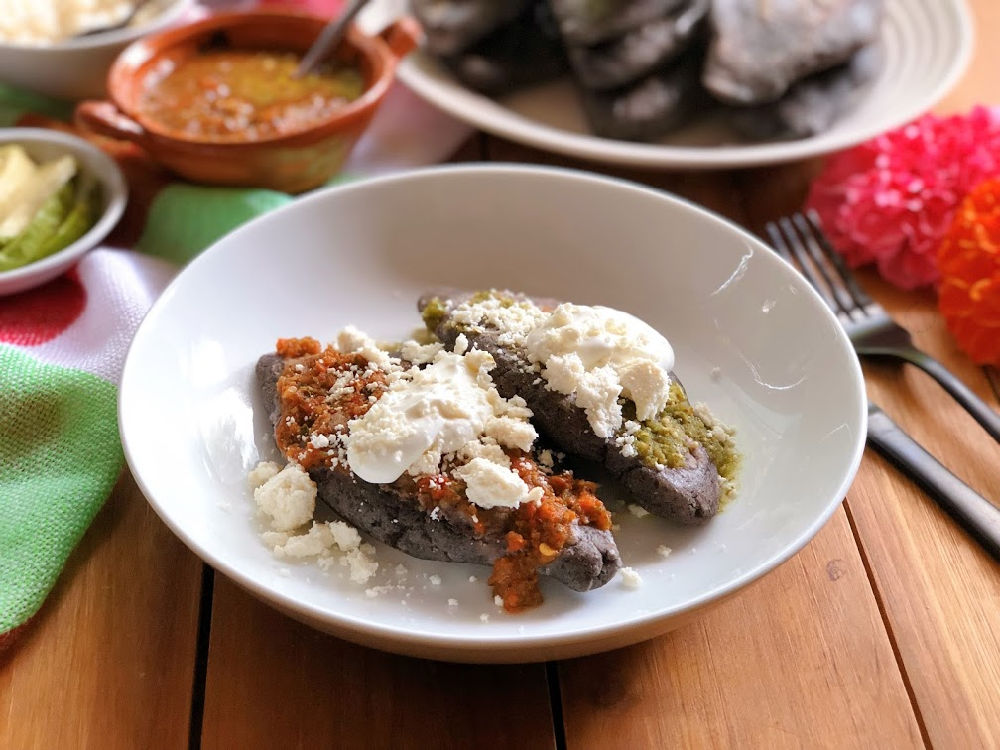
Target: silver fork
<point x="800" y="240"/>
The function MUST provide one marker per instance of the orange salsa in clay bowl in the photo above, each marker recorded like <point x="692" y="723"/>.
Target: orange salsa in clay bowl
<point x="217" y="102"/>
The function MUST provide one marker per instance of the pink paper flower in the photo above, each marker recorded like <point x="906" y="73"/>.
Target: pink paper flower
<point x="890" y="200"/>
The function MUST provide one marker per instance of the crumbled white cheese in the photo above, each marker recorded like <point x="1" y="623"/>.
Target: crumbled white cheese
<point x="274" y="538"/>
<point x="288" y="498"/>
<point x="419" y="354"/>
<point x="484" y="617"/>
<point x="490" y="485"/>
<point x="352" y="341"/>
<point x="626" y="445"/>
<point x="514" y="433"/>
<point x="637" y="510"/>
<point x="443" y="409"/>
<point x="453" y="602"/>
<point x="517" y="408"/>
<point x="261" y="473"/>
<point x="472" y="579"/>
<point x="631" y="578"/>
<point x="321" y="540"/>
<point x="311" y="544"/>
<point x="435" y="580"/>
<point x="498" y="600"/>
<point x="361" y="565"/>
<point x="487" y="449"/>
<point x="663" y="551"/>
<point x="597" y="354"/>
<point x="512" y="321"/>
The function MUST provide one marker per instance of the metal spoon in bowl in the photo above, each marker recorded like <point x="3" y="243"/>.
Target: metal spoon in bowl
<point x="328" y="39"/>
<point x="129" y="17"/>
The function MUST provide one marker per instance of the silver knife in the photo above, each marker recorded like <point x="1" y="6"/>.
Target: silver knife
<point x="972" y="511"/>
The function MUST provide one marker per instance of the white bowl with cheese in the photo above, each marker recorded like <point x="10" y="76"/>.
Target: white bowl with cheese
<point x="36" y="55"/>
<point x="45" y="145"/>
<point x="751" y="339"/>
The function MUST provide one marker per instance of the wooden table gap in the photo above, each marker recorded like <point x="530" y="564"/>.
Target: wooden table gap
<point x="877" y="595"/>
<point x="197" y="713"/>
<point x="556" y="704"/>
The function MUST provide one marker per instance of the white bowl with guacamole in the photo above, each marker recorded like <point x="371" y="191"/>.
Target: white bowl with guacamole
<point x="59" y="197"/>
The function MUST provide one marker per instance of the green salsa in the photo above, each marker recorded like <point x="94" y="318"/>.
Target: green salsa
<point x="434" y="313"/>
<point x="667" y="438"/>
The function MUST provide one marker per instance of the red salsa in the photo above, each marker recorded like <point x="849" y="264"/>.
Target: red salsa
<point x="321" y="390"/>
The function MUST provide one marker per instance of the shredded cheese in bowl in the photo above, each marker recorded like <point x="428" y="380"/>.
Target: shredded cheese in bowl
<point x="42" y="22"/>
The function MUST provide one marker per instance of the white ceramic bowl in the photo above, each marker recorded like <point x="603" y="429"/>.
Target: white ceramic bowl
<point x="787" y="379"/>
<point x="42" y="144"/>
<point x="77" y="69"/>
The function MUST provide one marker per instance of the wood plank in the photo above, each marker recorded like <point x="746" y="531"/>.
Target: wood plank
<point x="801" y="659"/>
<point x="107" y="662"/>
<point x="940" y="592"/>
<point x="275" y="683"/>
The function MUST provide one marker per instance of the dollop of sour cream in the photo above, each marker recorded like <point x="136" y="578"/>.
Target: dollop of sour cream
<point x="451" y="406"/>
<point x="597" y="354"/>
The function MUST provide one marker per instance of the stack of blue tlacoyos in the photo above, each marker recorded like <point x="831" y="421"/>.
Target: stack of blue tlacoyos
<point x="775" y="69"/>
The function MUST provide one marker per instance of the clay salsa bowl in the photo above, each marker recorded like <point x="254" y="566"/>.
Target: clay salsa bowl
<point x="291" y="162"/>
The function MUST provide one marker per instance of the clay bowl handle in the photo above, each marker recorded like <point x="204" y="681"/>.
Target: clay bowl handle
<point x="403" y="36"/>
<point x="104" y="118"/>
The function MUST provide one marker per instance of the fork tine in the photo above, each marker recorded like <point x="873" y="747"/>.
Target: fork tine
<point x="778" y="242"/>
<point x="814" y="272"/>
<point x="782" y="238"/>
<point x="859" y="295"/>
<point x="835" y="282"/>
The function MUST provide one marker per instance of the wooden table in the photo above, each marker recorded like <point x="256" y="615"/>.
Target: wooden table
<point x="884" y="631"/>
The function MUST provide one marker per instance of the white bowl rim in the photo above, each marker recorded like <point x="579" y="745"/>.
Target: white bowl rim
<point x="473" y="643"/>
<point x="165" y="18"/>
<point x="115" y="186"/>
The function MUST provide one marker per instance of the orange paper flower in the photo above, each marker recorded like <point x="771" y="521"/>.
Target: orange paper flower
<point x="969" y="263"/>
